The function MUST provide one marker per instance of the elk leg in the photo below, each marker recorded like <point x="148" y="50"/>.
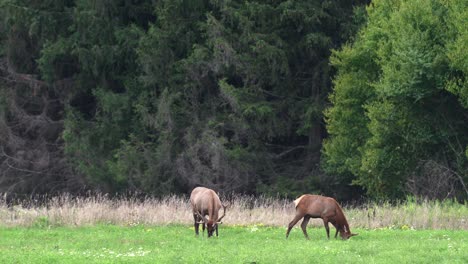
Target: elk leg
<point x="336" y="227"/>
<point x="293" y="222"/>
<point x="216" y="230"/>
<point x="325" y="223"/>
<point x="196" y="224"/>
<point x="304" y="226"/>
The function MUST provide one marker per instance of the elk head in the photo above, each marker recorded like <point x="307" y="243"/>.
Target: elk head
<point x="346" y="234"/>
<point x="211" y="225"/>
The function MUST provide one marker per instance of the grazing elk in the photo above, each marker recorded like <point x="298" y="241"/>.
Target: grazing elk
<point x="316" y="206"/>
<point x="204" y="202"/>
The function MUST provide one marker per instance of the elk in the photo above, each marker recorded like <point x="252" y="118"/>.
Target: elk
<point x="204" y="202"/>
<point x="317" y="206"/>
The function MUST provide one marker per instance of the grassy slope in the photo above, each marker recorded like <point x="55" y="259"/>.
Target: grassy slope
<point x="177" y="244"/>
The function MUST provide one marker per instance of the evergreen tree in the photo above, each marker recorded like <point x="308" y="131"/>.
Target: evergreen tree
<point x="159" y="96"/>
<point x="31" y="111"/>
<point x="247" y="82"/>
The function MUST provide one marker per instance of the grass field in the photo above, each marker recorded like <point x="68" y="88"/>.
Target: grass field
<point x="247" y="244"/>
<point x="98" y="229"/>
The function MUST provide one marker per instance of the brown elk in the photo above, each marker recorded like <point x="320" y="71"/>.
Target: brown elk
<point x="204" y="202"/>
<point x="316" y="206"/>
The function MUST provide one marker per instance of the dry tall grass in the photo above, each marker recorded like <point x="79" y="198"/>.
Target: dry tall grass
<point x="244" y="210"/>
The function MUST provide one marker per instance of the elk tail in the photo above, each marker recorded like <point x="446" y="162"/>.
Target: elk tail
<point x="296" y="202"/>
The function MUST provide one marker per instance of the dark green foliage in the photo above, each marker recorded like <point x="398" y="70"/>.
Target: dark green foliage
<point x="161" y="96"/>
<point x="222" y="94"/>
<point x="247" y="82"/>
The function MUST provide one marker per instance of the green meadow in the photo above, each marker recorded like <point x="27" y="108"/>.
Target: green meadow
<point x="235" y="244"/>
